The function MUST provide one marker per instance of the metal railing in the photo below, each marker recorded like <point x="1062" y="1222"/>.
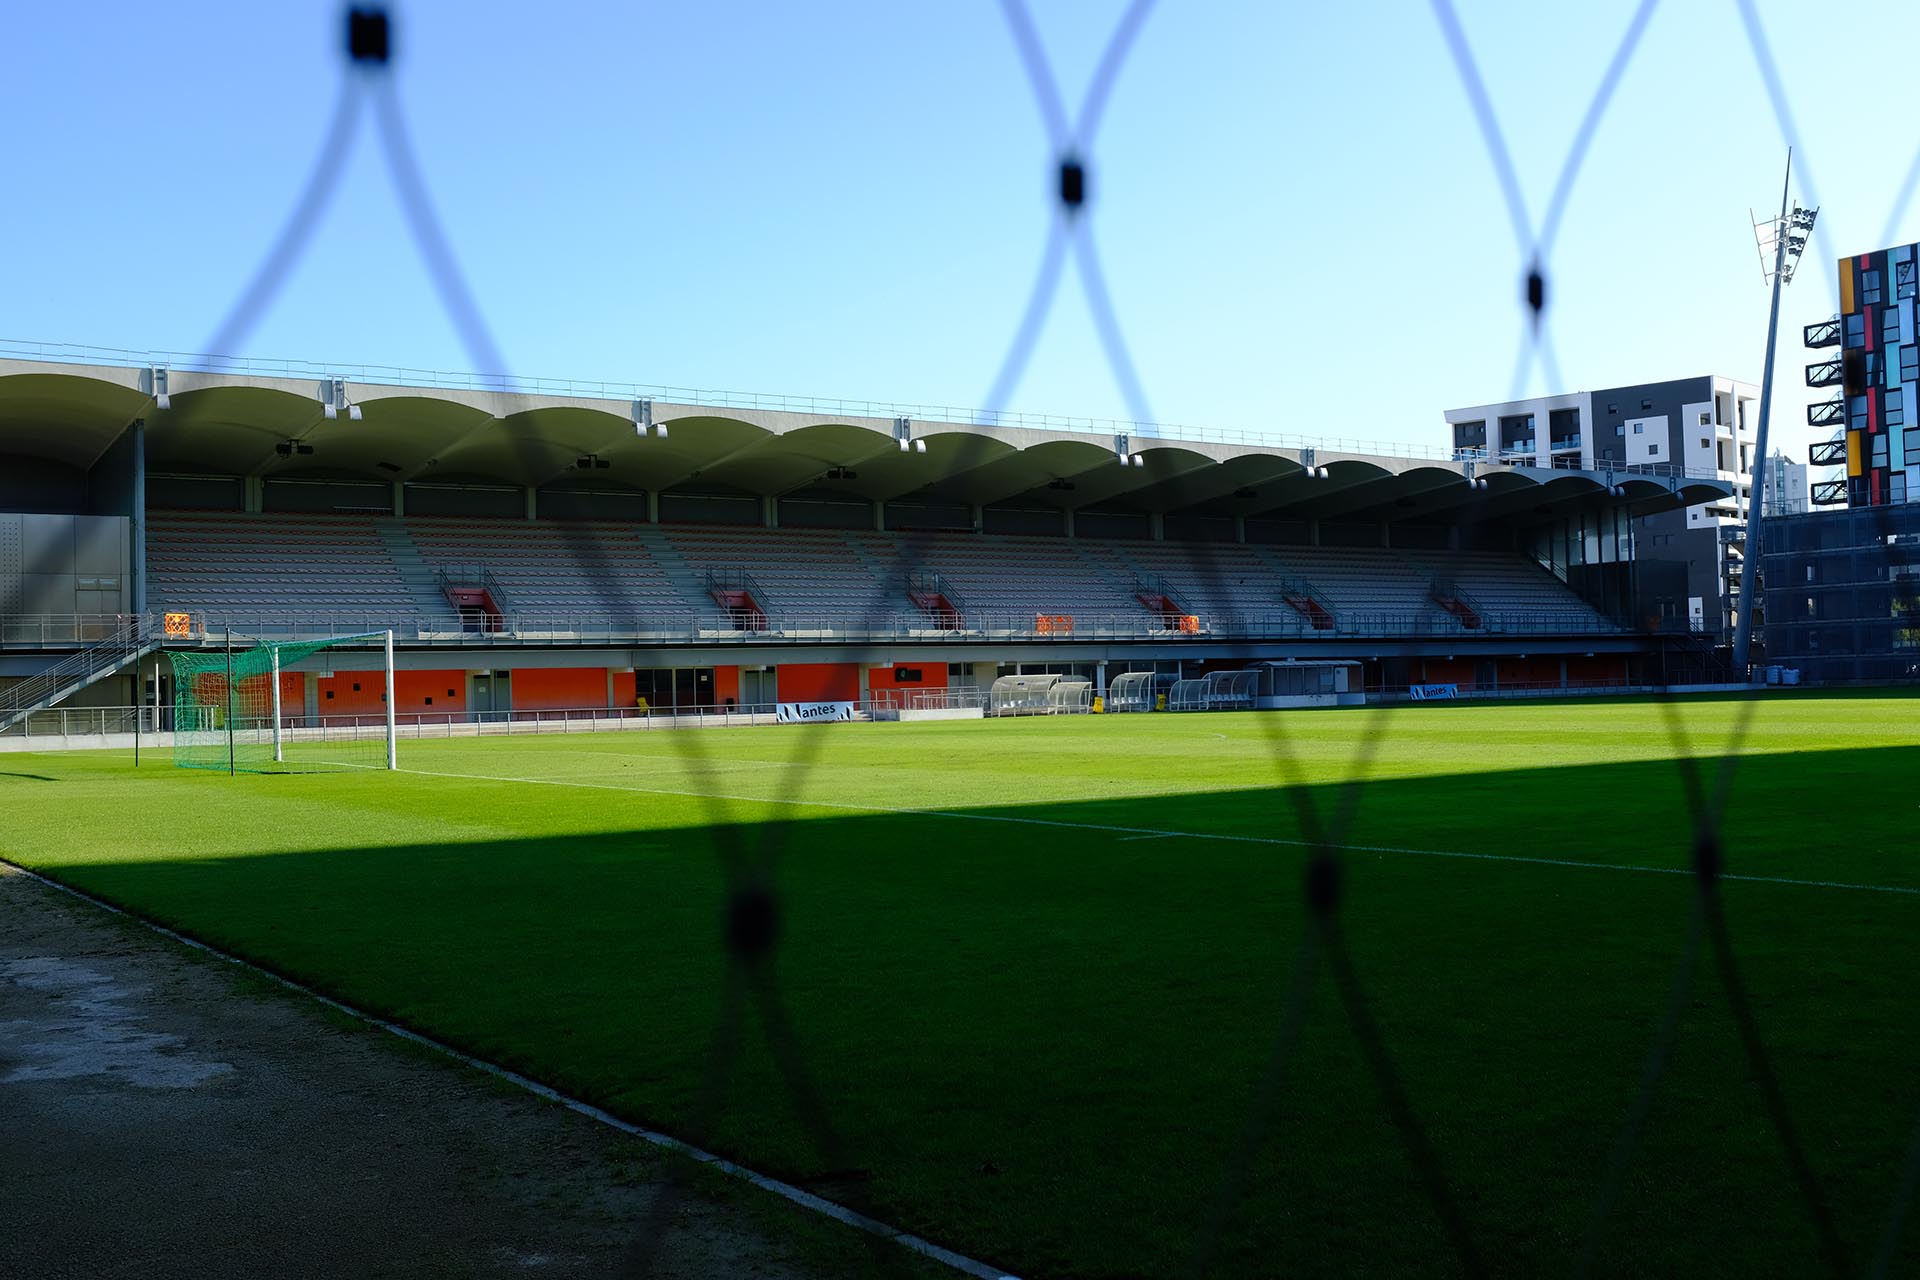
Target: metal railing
<point x="717" y="626"/>
<point x="65" y="678"/>
<point x="474" y="574"/>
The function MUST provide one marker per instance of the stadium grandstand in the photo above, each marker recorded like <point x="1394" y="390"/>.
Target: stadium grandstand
<point x="541" y="546"/>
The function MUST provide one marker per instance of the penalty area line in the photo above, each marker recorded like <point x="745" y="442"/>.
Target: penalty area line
<point x="1156" y="833"/>
<point x="786" y="1190"/>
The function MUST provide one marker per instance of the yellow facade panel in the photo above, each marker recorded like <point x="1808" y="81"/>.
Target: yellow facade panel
<point x="1846" y="286"/>
<point x="1853" y="453"/>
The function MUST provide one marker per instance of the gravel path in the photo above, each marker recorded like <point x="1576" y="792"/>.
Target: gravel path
<point x="165" y="1114"/>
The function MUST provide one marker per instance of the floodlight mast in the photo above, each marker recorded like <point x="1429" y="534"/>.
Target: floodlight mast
<point x="1786" y="236"/>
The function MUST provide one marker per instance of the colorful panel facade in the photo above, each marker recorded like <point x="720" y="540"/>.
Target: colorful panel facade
<point x="1880" y="375"/>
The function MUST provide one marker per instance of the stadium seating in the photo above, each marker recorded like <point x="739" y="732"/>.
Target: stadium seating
<point x="556" y="569"/>
<point x="1006" y="579"/>
<point x="227" y="565"/>
<point x="804" y="573"/>
<point x="1517" y="587"/>
<point x="236" y="568"/>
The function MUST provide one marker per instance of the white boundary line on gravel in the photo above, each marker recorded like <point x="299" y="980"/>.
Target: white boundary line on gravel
<point x="1156" y="832"/>
<point x="805" y="1199"/>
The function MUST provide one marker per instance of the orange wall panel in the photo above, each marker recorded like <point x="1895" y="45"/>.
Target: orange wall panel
<point x="726" y="684"/>
<point x="559" y="688"/>
<point x="411" y="689"/>
<point x="817" y="681"/>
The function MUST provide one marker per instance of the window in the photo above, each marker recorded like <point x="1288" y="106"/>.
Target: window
<point x="1619" y="430"/>
<point x="1903" y="279"/>
<point x="1896" y="406"/>
<point x="1639" y="428"/>
<point x="1897" y="487"/>
<point x="1856" y="326"/>
<point x="1613" y="408"/>
<point x="1646" y="405"/>
<point x="1653" y="448"/>
<point x="1706" y="419"/>
<point x="1890" y="327"/>
<point x="1857" y="412"/>
<point x="1909" y="363"/>
<point x="1869" y="286"/>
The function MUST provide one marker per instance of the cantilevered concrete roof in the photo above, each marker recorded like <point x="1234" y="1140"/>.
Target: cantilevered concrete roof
<point x="232" y="423"/>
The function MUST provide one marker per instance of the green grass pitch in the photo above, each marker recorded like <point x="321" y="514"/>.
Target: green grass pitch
<point x="1036" y="967"/>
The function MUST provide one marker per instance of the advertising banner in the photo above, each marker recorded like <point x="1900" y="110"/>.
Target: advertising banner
<point x="812" y="712"/>
<point x="1427" y="692"/>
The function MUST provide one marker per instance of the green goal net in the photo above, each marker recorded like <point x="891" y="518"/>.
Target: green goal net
<point x="256" y="710"/>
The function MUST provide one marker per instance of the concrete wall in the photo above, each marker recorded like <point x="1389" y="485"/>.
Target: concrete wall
<point x="64" y="564"/>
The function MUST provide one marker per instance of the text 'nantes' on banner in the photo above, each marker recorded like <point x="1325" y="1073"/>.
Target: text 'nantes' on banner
<point x="812" y="712"/>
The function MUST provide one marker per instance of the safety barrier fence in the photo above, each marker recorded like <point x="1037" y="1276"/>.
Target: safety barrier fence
<point x="54" y="632"/>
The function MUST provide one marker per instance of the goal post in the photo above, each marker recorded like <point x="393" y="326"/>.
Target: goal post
<point x="231" y="708"/>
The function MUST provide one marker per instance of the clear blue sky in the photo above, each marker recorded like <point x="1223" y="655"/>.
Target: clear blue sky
<point x="1300" y="225"/>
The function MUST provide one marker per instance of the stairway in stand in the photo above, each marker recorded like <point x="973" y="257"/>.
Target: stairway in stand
<point x="429" y="601"/>
<point x="681" y="576"/>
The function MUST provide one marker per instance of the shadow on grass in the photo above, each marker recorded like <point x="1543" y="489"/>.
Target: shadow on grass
<point x="1040" y="1038"/>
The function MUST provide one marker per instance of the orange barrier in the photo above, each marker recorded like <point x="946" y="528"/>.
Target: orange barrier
<point x="1053" y="624"/>
<point x="178" y="624"/>
<point x="1188" y="622"/>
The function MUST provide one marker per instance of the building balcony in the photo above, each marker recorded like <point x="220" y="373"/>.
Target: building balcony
<point x="1824" y="333"/>
<point x="1827" y="453"/>
<point x="1829" y="493"/>
<point x="1828" y="413"/>
<point x="1824" y="373"/>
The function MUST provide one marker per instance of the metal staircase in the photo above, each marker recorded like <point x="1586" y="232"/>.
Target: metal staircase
<point x="133" y="641"/>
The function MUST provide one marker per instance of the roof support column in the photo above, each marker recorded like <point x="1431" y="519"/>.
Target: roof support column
<point x="979" y="514"/>
<point x="770" y="512"/>
<point x="252" y="494"/>
<point x="137" y="521"/>
<point x="1240" y="529"/>
<point x="1386" y="533"/>
<point x="1068" y="513"/>
<point x="533" y="502"/>
<point x="653" y="506"/>
<point x="399" y="499"/>
<point x="1156" y="526"/>
<point x="879" y="515"/>
<point x="1313" y="532"/>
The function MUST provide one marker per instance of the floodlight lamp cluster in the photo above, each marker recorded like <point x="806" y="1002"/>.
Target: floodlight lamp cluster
<point x="904" y="437"/>
<point x="336" y="402"/>
<point x="643" y="423"/>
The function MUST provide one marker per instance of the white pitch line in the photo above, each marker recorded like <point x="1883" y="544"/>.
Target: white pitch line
<point x="1158" y="833"/>
<point x="786" y="1190"/>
